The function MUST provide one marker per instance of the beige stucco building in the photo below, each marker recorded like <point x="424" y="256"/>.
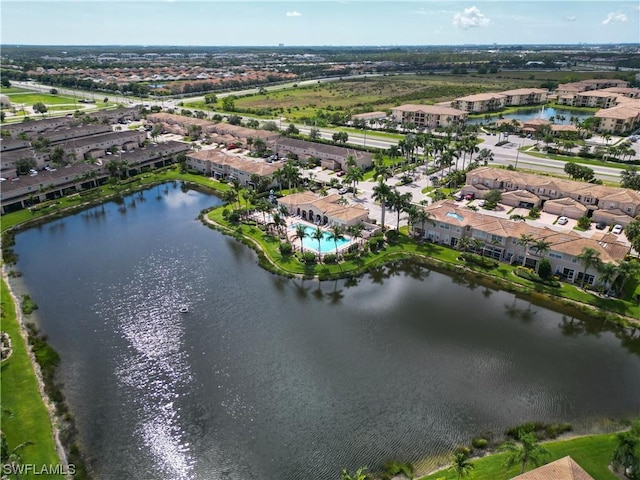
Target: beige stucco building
<point x="428" y="116"/>
<point x="499" y="239"/>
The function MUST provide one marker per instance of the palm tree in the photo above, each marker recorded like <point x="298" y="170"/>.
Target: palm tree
<point x="464" y="244"/>
<point x="527" y="450"/>
<point x="524" y="241"/>
<point x="589" y="258"/>
<point x="301" y="234"/>
<point x="461" y="465"/>
<point x="336" y="233"/>
<point x="381" y="193"/>
<point x="318" y="234"/>
<point x="355" y="230"/>
<point x="353" y="176"/>
<point x="400" y="202"/>
<point x="608" y="273"/>
<point x="541" y="246"/>
<point x="626" y="270"/>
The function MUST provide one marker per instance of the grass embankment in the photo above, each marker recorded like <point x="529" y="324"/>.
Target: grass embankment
<point x="592" y="452"/>
<point x="24" y="415"/>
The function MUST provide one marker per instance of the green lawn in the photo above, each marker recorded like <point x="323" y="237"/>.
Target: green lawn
<point x="30" y="98"/>
<point x="24" y="416"/>
<point x="592" y="453"/>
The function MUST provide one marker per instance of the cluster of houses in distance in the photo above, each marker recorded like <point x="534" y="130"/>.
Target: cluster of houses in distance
<point x="619" y="105"/>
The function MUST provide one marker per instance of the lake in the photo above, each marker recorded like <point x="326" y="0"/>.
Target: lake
<point x="276" y="379"/>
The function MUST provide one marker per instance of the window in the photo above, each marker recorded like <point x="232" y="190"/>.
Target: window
<point x="555" y="255"/>
<point x="496" y="238"/>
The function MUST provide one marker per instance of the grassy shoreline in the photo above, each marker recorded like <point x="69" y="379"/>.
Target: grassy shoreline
<point x="591" y="452"/>
<point x="25" y="414"/>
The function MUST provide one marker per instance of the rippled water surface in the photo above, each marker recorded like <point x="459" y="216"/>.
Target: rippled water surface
<point x="275" y="379"/>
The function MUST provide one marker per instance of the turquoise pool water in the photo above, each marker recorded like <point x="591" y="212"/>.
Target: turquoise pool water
<point x="327" y="245"/>
<point x="455" y="215"/>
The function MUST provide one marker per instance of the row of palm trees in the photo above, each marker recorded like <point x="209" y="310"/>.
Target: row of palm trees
<point x="336" y="233"/>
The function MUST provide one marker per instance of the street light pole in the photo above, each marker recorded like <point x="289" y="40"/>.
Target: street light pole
<point x="515" y="167"/>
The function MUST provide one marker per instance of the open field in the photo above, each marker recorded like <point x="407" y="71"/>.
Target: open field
<point x="373" y="93"/>
<point x="593" y="453"/>
<point x="24" y="417"/>
<point x="29" y="98"/>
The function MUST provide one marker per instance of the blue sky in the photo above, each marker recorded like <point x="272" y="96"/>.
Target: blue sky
<point x="317" y="22"/>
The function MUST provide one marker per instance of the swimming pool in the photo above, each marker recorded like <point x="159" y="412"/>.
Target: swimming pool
<point x="327" y="245"/>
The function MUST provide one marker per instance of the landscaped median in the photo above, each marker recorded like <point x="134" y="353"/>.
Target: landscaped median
<point x="592" y="452"/>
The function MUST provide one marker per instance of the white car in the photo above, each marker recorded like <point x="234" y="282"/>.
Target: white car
<point x="563" y="221"/>
<point x="617" y="229"/>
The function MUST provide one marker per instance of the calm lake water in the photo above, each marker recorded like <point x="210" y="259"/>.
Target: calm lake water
<point x="275" y="379"/>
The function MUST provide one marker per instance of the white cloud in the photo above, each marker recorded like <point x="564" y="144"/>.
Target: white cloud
<point x="470" y="18"/>
<point x="293" y="14"/>
<point x="570" y="18"/>
<point x="614" y="17"/>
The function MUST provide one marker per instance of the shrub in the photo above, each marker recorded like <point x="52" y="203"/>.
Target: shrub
<point x="330" y="258"/>
<point x="544" y="269"/>
<point x="375" y="243"/>
<point x="393" y="467"/>
<point x="392" y="235"/>
<point x="28" y="305"/>
<point x="285" y="249"/>
<point x="353" y="248"/>
<point x="534" y="212"/>
<point x="309" y="257"/>
<point x="479" y="442"/>
<point x="234" y="217"/>
<point x="584" y="223"/>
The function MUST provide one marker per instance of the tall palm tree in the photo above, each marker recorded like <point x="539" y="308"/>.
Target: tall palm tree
<point x="301" y="234"/>
<point x="381" y="193"/>
<point x="353" y="176"/>
<point x="318" y="234"/>
<point x="608" y="273"/>
<point x="336" y="233"/>
<point x="588" y="258"/>
<point x="527" y="450"/>
<point x="400" y="202"/>
<point x="461" y="465"/>
<point x="541" y="246"/>
<point x="524" y="241"/>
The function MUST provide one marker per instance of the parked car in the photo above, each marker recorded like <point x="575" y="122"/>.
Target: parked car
<point x="617" y="229"/>
<point x="458" y="196"/>
<point x="341" y="173"/>
<point x="563" y="221"/>
<point x="343" y="190"/>
<point x="601" y="225"/>
<point x="469" y="196"/>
